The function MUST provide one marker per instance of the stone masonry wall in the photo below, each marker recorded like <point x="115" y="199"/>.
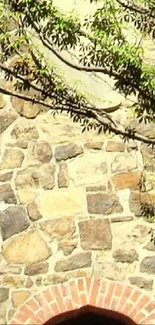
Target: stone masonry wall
<point x="70" y="206"/>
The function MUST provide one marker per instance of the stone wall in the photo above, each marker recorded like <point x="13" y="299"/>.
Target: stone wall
<point x="70" y="206"/>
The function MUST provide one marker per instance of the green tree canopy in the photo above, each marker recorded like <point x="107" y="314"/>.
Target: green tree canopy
<point x="109" y="41"/>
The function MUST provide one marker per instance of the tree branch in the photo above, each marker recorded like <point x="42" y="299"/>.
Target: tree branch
<point x="90" y="114"/>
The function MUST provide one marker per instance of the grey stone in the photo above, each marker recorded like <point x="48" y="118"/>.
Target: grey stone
<point x="36" y="268"/>
<point x="4" y="294"/>
<point x="103" y="203"/>
<point x="125" y="255"/>
<point x="41" y="151"/>
<point x="95" y="234"/>
<point x="7" y="194"/>
<point x="6" y="176"/>
<point x="148" y="265"/>
<point x="6" y="119"/>
<point x="12" y="221"/>
<point x="74" y="262"/>
<point x="63" y="180"/>
<point x="141" y="282"/>
<point x="25" y="131"/>
<point x="123" y="162"/>
<point x="138" y="200"/>
<point x="68" y="151"/>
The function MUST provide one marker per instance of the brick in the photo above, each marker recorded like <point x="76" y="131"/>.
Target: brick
<point x="69" y="303"/>
<point x="88" y="285"/>
<point x="124" y="297"/>
<point x="114" y="303"/>
<point x="109" y="295"/>
<point x="74" y="292"/>
<point x="118" y="290"/>
<point x="43" y="303"/>
<point x="55" y="309"/>
<point x="94" y="292"/>
<point x="150" y="307"/>
<point x="81" y="285"/>
<point x="134" y="296"/>
<point x="59" y="298"/>
<point x="139" y="317"/>
<point x="48" y="295"/>
<point x="127" y="308"/>
<point x="83" y="299"/>
<point x="33" y="304"/>
<point x="65" y="290"/>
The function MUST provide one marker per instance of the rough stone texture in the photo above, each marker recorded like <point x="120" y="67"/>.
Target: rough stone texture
<point x="115" y="146"/>
<point x="12" y="158"/>
<point x="45" y="175"/>
<point x="25" y="109"/>
<point x="33" y="212"/>
<point x="103" y="203"/>
<point x="22" y="144"/>
<point x="137" y="200"/>
<point x="150" y="246"/>
<point x="4" y="294"/>
<point x="127" y="180"/>
<point x="6" y="176"/>
<point x="123" y="162"/>
<point x="5" y="269"/>
<point x="96" y="145"/>
<point x="72" y="202"/>
<point x="12" y="221"/>
<point x="140" y="233"/>
<point x="68" y="151"/>
<point x="18" y="297"/>
<point x="2" y="102"/>
<point x="146" y="129"/>
<point x="25" y="178"/>
<point x="142" y="283"/>
<point x="113" y="270"/>
<point x="26" y="196"/>
<point x="148" y="265"/>
<point x="25" y="131"/>
<point x="6" y="119"/>
<point x="128" y="255"/>
<point x="65" y="276"/>
<point x="36" y="268"/>
<point x="82" y="173"/>
<point x="76" y="261"/>
<point x="13" y="281"/>
<point x="61" y="228"/>
<point x="7" y="194"/>
<point x="96" y="188"/>
<point x="41" y="151"/>
<point x="67" y="246"/>
<point x="33" y="176"/>
<point x="95" y="234"/>
<point x="26" y="248"/>
<point x="63" y="180"/>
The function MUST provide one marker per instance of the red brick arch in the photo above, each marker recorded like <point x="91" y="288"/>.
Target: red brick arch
<point x="62" y="301"/>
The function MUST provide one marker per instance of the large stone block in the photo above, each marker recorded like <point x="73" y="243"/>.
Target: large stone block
<point x="127" y="180"/>
<point x="68" y="151"/>
<point x="74" y="262"/>
<point x="26" y="248"/>
<point x="103" y="203"/>
<point x="18" y="297"/>
<point x="26" y="109"/>
<point x="40" y="151"/>
<point x="115" y="146"/>
<point x="89" y="169"/>
<point x="142" y="283"/>
<point x="124" y="162"/>
<point x="36" y="268"/>
<point x="61" y="228"/>
<point x="12" y="158"/>
<point x="25" y="131"/>
<point x="57" y="203"/>
<point x="95" y="234"/>
<point x="113" y="270"/>
<point x="12" y="221"/>
<point x="6" y="119"/>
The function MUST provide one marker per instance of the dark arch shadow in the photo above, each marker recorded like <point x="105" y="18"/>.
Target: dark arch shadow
<point x="89" y="315"/>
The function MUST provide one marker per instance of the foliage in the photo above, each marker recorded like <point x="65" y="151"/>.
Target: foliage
<point x="103" y="45"/>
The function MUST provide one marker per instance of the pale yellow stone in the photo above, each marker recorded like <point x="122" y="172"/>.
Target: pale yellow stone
<point x="63" y="203"/>
<point x="13" y="281"/>
<point x="12" y="158"/>
<point x="28" y="247"/>
<point x="18" y="297"/>
<point x="89" y="169"/>
<point x="25" y="196"/>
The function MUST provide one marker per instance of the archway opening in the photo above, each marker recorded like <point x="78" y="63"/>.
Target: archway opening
<point x="89" y="315"/>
